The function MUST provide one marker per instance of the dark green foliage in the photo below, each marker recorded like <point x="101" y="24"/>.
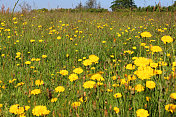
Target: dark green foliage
<point x="121" y="4"/>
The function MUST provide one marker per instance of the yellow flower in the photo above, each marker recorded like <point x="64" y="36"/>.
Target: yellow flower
<point x="87" y="62"/>
<point x="173" y="95"/>
<point x="19" y="84"/>
<point x="123" y="81"/>
<point x="154" y="65"/>
<point x="109" y="90"/>
<point x="33" y="59"/>
<point x="78" y="70"/>
<point x="27" y="62"/>
<point x="58" y="37"/>
<point x="79" y="59"/>
<point x="117" y="95"/>
<point x="115" y="85"/>
<point x="170" y="108"/>
<point x="11" y="81"/>
<point x="40" y="40"/>
<point x="141" y="61"/>
<point x="116" y="109"/>
<point x="40" y="111"/>
<point x="174" y="64"/>
<point x="142" y="113"/>
<point x="18" y="54"/>
<point x="167" y="39"/>
<point x="130" y="67"/>
<point x="53" y="99"/>
<point x="83" y="99"/>
<point x="60" y="89"/>
<point x="1" y="105"/>
<point x="131" y="77"/>
<point x="156" y="49"/>
<point x="150" y="84"/>
<point x="35" y="91"/>
<point x="89" y="84"/>
<point x="16" y="109"/>
<point x="103" y="41"/>
<point x="76" y="104"/>
<point x="114" y="77"/>
<point x="129" y="52"/>
<point x="44" y="56"/>
<point x="145" y="72"/>
<point x="63" y="72"/>
<point x="27" y="108"/>
<point x="147" y="98"/>
<point x="146" y="34"/>
<point x="134" y="47"/>
<point x="37" y="59"/>
<point x="73" y="77"/>
<point x="99" y="83"/>
<point x="39" y="82"/>
<point x="158" y="72"/>
<point x="139" y="88"/>
<point x="32" y="41"/>
<point x="97" y="77"/>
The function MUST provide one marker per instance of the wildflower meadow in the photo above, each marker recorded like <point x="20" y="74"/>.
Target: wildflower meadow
<point x="69" y="64"/>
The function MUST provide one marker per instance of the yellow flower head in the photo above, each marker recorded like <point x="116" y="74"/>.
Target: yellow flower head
<point x="156" y="49"/>
<point x="83" y="99"/>
<point x="53" y="99"/>
<point x="150" y="84"/>
<point x="60" y="89"/>
<point x="142" y="113"/>
<point x="27" y="62"/>
<point x="89" y="84"/>
<point x="117" y="95"/>
<point x="167" y="39"/>
<point x="139" y="88"/>
<point x="170" y="108"/>
<point x="35" y="91"/>
<point x="130" y="67"/>
<point x="44" y="56"/>
<point x="76" y="104"/>
<point x="116" y="109"/>
<point x="145" y="72"/>
<point x="78" y="70"/>
<point x="173" y="95"/>
<point x="16" y="109"/>
<point x="63" y="72"/>
<point x="73" y="77"/>
<point x="39" y="82"/>
<point x="141" y="61"/>
<point x="40" y="111"/>
<point x="97" y="77"/>
<point x="146" y="34"/>
<point x="87" y="62"/>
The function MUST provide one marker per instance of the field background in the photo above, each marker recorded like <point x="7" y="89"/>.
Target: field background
<point x="66" y="38"/>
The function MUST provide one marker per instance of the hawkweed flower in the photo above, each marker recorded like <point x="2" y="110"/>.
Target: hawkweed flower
<point x="142" y="113"/>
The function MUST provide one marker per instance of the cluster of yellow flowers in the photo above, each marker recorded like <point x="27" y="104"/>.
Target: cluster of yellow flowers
<point x="92" y="59"/>
<point x="17" y="110"/>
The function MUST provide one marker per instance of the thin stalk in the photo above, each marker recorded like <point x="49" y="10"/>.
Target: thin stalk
<point x="14" y="7"/>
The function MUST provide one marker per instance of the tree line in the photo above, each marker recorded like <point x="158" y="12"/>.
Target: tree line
<point x="116" y="5"/>
<point x="125" y="5"/>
